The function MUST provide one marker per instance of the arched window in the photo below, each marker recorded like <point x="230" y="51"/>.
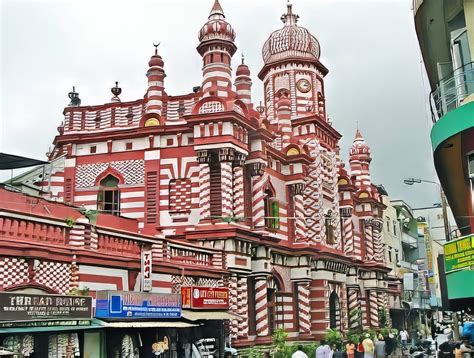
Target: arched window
<point x="271" y="209"/>
<point x="334" y="311"/>
<point x="108" y="198"/>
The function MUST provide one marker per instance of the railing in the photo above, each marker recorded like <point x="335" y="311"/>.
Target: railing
<point x="452" y="90"/>
<point x="409" y="240"/>
<point x="190" y="256"/>
<point x="26" y="230"/>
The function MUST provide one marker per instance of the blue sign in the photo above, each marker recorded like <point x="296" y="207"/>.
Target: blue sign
<point x="115" y="304"/>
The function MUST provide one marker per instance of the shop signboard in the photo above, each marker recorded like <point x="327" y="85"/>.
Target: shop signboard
<point x="205" y="298"/>
<point x="120" y="304"/>
<point x="459" y="254"/>
<point x="146" y="270"/>
<point x="31" y="307"/>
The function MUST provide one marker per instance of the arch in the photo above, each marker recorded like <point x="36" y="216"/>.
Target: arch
<point x="108" y="196"/>
<point x="32" y="286"/>
<point x="212" y="104"/>
<point x="343" y="181"/>
<point x="112" y="172"/>
<point x="241" y="105"/>
<point x="292" y="151"/>
<point x="150" y="120"/>
<point x="334" y="311"/>
<point x="278" y="280"/>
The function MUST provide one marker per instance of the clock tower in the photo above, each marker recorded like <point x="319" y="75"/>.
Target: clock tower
<point x="292" y="68"/>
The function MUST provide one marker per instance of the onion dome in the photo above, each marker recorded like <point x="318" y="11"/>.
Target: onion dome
<point x="216" y="27"/>
<point x="291" y="41"/>
<point x="360" y="146"/>
<point x="156" y="60"/>
<point x="242" y="69"/>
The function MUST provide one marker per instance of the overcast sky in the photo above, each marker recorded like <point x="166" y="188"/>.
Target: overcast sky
<point x="375" y="74"/>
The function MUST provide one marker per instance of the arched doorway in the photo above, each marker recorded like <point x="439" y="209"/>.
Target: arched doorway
<point x="274" y="319"/>
<point x="334" y="311"/>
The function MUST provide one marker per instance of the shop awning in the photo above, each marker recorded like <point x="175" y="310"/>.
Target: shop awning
<point x="10" y="161"/>
<point x="207" y="315"/>
<point x="149" y="324"/>
<point x="95" y="324"/>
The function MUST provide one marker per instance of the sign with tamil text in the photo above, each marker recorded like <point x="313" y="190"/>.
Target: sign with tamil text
<point x="119" y="304"/>
<point x="31" y="307"/>
<point x="459" y="254"/>
<point x="205" y="297"/>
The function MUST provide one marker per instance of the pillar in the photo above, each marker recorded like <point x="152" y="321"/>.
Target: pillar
<point x="242" y="307"/>
<point x="297" y="191"/>
<point x="204" y="184"/>
<point x="238" y="185"/>
<point x="261" y="307"/>
<point x="354" y="307"/>
<point x="304" y="308"/>
<point x="259" y="179"/>
<point x="373" y="309"/>
<point x="377" y="227"/>
<point x="347" y="230"/>
<point x="368" y="240"/>
<point x="233" y="306"/>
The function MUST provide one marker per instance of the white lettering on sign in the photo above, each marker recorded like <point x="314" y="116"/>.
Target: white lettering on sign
<point x="147" y="270"/>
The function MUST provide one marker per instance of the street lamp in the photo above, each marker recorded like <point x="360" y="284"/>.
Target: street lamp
<point x="411" y="181"/>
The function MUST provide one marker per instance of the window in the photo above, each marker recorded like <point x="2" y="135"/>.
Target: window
<point x="129" y="146"/>
<point x="330" y="234"/>
<point x="272" y="217"/>
<point x="169" y="142"/>
<point x="387" y="220"/>
<point x="389" y="254"/>
<point x="93" y="149"/>
<point x="215" y="188"/>
<point x="334" y="311"/>
<point x="395" y="228"/>
<point x="108" y="197"/>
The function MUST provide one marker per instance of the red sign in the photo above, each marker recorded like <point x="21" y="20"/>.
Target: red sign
<point x="205" y="298"/>
<point x="146" y="270"/>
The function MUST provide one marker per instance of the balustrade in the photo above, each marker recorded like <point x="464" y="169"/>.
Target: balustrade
<point x="26" y="230"/>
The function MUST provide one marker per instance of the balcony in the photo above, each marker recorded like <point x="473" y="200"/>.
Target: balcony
<point x="410" y="241"/>
<point x="452" y="90"/>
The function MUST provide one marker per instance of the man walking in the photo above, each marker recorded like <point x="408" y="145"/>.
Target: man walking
<point x="404" y="339"/>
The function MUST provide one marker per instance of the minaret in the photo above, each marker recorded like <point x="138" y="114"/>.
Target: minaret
<point x="360" y="162"/>
<point x="156" y="76"/>
<point x="243" y="83"/>
<point x="216" y="46"/>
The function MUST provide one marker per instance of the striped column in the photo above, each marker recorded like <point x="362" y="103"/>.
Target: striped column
<point x="258" y="208"/>
<point x="217" y="77"/>
<point x="284" y="119"/>
<point x="377" y="238"/>
<point x="156" y="76"/>
<point x="238" y="191"/>
<point x="226" y="185"/>
<point x="204" y="191"/>
<point x="300" y="222"/>
<point x="304" y="308"/>
<point x="348" y="235"/>
<point x="242" y="306"/>
<point x="233" y="306"/>
<point x="373" y="309"/>
<point x="369" y="244"/>
<point x="383" y="304"/>
<point x="261" y="307"/>
<point x="354" y="308"/>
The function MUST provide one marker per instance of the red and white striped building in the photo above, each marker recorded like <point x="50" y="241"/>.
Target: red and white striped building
<point x="224" y="192"/>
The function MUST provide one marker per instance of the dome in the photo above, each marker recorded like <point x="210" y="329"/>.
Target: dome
<point x="360" y="146"/>
<point x="216" y="27"/>
<point x="290" y="41"/>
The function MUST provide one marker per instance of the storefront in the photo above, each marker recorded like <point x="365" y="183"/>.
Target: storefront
<point x="153" y="324"/>
<point x="44" y="325"/>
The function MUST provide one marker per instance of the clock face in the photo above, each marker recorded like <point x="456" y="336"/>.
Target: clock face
<point x="303" y="85"/>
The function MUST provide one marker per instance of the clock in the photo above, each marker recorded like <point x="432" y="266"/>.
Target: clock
<point x="303" y="85"/>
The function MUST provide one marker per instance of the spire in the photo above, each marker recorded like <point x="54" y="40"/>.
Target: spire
<point x="216" y="11"/>
<point x="358" y="135"/>
<point x="289" y="18"/>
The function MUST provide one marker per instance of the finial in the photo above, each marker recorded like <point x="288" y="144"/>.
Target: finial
<point x="289" y="18"/>
<point x="216" y="10"/>
<point x="156" y="47"/>
<point x="74" y="97"/>
<point x="243" y="57"/>
<point x="116" y="92"/>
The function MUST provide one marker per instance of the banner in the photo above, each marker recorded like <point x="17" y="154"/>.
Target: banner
<point x="30" y="307"/>
<point x="459" y="254"/>
<point x="205" y="298"/>
<point x="118" y="304"/>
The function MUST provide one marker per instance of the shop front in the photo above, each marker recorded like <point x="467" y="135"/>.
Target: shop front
<point x="44" y="325"/>
<point x="153" y="324"/>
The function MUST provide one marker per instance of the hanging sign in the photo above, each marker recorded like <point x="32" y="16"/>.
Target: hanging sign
<point x="205" y="298"/>
<point x="459" y="254"/>
<point x="146" y="271"/>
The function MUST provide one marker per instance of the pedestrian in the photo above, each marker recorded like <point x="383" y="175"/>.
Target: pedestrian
<point x="323" y="350"/>
<point x="368" y="345"/>
<point x="404" y="338"/>
<point x="380" y="347"/>
<point x="350" y="349"/>
<point x="299" y="353"/>
<point x="359" y="353"/>
<point x="390" y="344"/>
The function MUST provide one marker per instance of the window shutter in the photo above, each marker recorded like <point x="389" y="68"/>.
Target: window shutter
<point x="151" y="195"/>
